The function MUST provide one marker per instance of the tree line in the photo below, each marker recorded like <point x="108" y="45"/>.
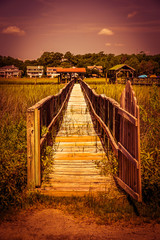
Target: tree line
<point x="142" y="63"/>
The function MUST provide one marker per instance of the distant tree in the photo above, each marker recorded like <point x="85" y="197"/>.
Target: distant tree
<point x="50" y="59"/>
<point x="65" y="64"/>
<point x="141" y="62"/>
<point x="134" y="63"/>
<point x="70" y="58"/>
<point x="148" y="67"/>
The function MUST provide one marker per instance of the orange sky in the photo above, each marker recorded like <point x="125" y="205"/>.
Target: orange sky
<point x="30" y="27"/>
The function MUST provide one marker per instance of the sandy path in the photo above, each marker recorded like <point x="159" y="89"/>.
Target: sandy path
<point x="52" y="224"/>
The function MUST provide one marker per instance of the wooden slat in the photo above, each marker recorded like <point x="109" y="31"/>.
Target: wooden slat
<point x="135" y="195"/>
<point x="127" y="116"/>
<point x="138" y="154"/>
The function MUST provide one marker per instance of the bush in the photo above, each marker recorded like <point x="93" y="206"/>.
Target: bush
<point x="13" y="160"/>
<point x="150" y="140"/>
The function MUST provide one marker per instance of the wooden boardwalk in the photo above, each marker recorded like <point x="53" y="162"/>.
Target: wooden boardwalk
<point x="77" y="149"/>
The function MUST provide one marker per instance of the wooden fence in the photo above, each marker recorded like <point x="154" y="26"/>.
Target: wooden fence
<point x="141" y="81"/>
<point x="45" y="114"/>
<point x="119" y="127"/>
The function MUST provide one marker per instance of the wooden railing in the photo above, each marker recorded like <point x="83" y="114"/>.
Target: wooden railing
<point x="45" y="114"/>
<point x="119" y="127"/>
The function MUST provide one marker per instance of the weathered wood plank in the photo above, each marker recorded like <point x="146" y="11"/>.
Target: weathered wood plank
<point x="37" y="148"/>
<point x="128" y="155"/>
<point x="132" y="193"/>
<point x="127" y="116"/>
<point x="30" y="149"/>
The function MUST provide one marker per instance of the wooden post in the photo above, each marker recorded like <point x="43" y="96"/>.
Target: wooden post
<point x="30" y="149"/>
<point x="33" y="148"/>
<point x="113" y="120"/>
<point x="37" y="148"/>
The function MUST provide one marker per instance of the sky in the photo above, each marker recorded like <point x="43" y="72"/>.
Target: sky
<point x="30" y="27"/>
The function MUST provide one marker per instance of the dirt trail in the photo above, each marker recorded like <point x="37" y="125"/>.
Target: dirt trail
<point x="49" y="224"/>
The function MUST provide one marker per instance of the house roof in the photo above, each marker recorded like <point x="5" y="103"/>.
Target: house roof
<point x="117" y="67"/>
<point x="51" y="68"/>
<point x="92" y="67"/>
<point x="35" y="67"/>
<point x="71" y="70"/>
<point x="9" y="67"/>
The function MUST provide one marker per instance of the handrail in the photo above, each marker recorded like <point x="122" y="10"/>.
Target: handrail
<point x="105" y="128"/>
<point x="119" y="125"/>
<point x="44" y="113"/>
<point x="55" y="119"/>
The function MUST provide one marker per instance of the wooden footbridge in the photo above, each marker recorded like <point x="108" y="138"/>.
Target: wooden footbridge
<point x="84" y="127"/>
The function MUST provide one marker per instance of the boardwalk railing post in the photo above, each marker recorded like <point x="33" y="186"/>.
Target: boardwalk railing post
<point x="37" y="148"/>
<point x="33" y="148"/>
<point x="30" y="149"/>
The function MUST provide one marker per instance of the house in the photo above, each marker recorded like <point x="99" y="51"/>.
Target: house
<point x="10" y="71"/>
<point x="118" y="70"/>
<point x="95" y="70"/>
<point x="35" y="71"/>
<point x="98" y="68"/>
<point x="52" y="72"/>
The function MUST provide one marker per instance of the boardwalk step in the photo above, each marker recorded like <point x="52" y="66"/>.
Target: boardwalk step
<point x="77" y="139"/>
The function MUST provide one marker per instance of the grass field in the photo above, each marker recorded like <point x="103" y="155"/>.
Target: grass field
<point x="14" y="101"/>
<point x="27" y="81"/>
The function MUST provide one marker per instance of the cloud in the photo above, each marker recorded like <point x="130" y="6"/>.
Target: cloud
<point x="106" y="31"/>
<point x="108" y="44"/>
<point x="132" y="14"/>
<point x="14" y="30"/>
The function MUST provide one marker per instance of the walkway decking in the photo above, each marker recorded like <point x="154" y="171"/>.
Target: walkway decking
<point x="78" y="148"/>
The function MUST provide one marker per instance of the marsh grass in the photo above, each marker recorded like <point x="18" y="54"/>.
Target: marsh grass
<point x="14" y="101"/>
<point x="95" y="81"/>
<point x="28" y="81"/>
<point x="104" y="207"/>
